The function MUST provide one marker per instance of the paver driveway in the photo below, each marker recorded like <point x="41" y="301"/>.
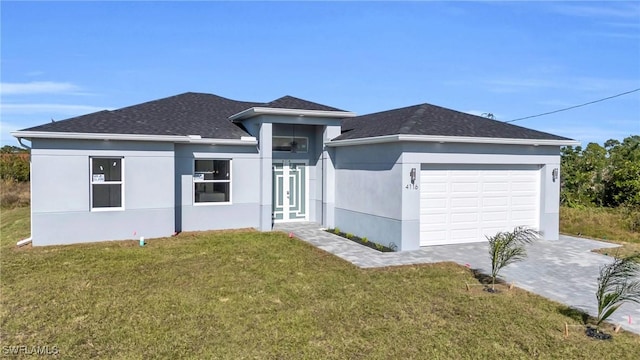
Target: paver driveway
<point x="564" y="270"/>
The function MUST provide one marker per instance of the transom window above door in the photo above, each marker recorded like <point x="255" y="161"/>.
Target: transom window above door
<point x="290" y="144"/>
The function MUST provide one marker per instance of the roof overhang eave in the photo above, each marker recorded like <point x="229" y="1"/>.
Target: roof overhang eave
<point x="193" y="139"/>
<point x="255" y="111"/>
<point x="451" y="139"/>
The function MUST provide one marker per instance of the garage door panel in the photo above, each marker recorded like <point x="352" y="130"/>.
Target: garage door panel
<point x="436" y="236"/>
<point x="495" y="201"/>
<point x="501" y="216"/>
<point x="464" y="187"/>
<point x="527" y="200"/>
<point x="522" y="215"/>
<point x="435" y="218"/>
<point x="468" y="217"/>
<point x="490" y="231"/>
<point x="436" y="233"/>
<point x="436" y="188"/>
<point x="461" y="210"/>
<point x="464" y="202"/>
<point x="521" y="186"/>
<point x="466" y="235"/>
<point x="496" y="176"/>
<point x="437" y="174"/>
<point x="495" y="186"/>
<point x="461" y="205"/>
<point x="434" y="204"/>
<point x="495" y="210"/>
<point x="433" y="211"/>
<point x="462" y="173"/>
<point x="522" y="175"/>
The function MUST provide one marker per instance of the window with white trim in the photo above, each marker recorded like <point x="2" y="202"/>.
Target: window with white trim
<point x="106" y="183"/>
<point x="212" y="181"/>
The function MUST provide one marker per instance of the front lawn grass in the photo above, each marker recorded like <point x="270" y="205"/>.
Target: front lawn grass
<point x="603" y="224"/>
<point x="246" y="294"/>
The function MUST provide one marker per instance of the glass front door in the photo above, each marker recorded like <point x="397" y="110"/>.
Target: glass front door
<point x="290" y="191"/>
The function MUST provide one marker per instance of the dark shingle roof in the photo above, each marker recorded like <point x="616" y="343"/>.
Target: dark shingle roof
<point x="208" y="115"/>
<point x="290" y="102"/>
<point x="426" y="119"/>
<point x="185" y="114"/>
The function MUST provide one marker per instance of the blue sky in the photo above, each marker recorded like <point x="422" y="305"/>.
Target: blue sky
<point x="511" y="59"/>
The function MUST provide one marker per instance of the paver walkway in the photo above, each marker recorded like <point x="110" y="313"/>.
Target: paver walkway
<point x="565" y="270"/>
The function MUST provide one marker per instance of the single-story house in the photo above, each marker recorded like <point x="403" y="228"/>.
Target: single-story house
<point x="410" y="177"/>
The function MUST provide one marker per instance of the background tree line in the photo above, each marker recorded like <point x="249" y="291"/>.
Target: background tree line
<point x="14" y="177"/>
<point x="14" y="164"/>
<point x="602" y="176"/>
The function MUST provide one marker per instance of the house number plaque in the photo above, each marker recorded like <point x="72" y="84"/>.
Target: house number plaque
<point x="412" y="180"/>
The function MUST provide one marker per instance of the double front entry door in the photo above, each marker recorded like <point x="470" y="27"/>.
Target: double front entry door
<point x="290" y="191"/>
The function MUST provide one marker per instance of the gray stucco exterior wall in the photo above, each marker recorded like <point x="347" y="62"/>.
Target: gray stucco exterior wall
<point x="60" y="181"/>
<point x="243" y="211"/>
<point x="373" y="200"/>
<point x="550" y="200"/>
<point x="362" y="189"/>
<point x="368" y="192"/>
<point x="158" y="184"/>
<point x="328" y="160"/>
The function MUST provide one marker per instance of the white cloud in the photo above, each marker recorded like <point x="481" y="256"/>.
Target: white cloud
<point x="35" y="73"/>
<point x="64" y="109"/>
<point x="38" y="87"/>
<point x="613" y="34"/>
<point x="606" y="86"/>
<point x="620" y="10"/>
<point x="519" y="84"/>
<point x="631" y="124"/>
<point x="587" y="134"/>
<point x="5" y="133"/>
<point x="556" y="103"/>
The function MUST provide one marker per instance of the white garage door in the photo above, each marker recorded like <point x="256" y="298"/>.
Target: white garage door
<point x="463" y="203"/>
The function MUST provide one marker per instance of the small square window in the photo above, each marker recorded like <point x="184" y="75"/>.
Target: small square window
<point x="212" y="181"/>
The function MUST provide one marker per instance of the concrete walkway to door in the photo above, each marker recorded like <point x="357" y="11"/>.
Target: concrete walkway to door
<point x="565" y="270"/>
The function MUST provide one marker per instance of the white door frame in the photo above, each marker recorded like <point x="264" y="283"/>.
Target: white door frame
<point x="284" y="215"/>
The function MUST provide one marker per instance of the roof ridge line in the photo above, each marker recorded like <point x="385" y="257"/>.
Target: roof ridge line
<point x="411" y="122"/>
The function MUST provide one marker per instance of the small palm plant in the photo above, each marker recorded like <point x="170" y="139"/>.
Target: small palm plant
<point x="618" y="283"/>
<point x="508" y="247"/>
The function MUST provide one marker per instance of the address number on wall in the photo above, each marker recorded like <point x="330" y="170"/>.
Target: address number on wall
<point x="412" y="180"/>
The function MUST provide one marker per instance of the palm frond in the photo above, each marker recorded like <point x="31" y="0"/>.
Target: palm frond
<point x="508" y="247"/>
<point x="617" y="284"/>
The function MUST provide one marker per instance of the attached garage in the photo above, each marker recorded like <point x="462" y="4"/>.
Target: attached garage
<point x="425" y="175"/>
<point x="465" y="203"/>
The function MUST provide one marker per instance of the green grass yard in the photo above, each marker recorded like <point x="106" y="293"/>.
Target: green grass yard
<point x="604" y="224"/>
<point x="245" y="294"/>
